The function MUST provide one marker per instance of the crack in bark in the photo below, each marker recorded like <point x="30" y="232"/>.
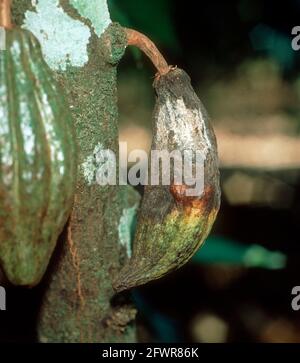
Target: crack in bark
<point x="76" y="264"/>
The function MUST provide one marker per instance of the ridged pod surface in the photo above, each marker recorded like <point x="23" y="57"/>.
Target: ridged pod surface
<point x="172" y="225"/>
<point x="37" y="160"/>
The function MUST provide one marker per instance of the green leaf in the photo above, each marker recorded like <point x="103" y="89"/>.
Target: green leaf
<point x="221" y="250"/>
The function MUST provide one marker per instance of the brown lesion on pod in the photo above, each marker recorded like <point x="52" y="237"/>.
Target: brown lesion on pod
<point x="201" y="205"/>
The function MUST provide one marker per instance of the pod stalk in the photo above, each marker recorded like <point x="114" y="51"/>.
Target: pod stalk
<point x="5" y="14"/>
<point x="142" y="42"/>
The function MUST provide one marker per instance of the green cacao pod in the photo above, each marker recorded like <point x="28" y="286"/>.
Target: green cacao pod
<point x="37" y="160"/>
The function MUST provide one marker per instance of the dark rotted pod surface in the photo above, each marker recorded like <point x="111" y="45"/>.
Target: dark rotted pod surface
<point x="37" y="160"/>
<point x="172" y="225"/>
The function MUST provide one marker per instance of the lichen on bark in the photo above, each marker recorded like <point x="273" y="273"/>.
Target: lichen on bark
<point x="76" y="306"/>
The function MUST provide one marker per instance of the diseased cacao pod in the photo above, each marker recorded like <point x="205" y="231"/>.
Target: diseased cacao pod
<point x="171" y="224"/>
<point x="37" y="160"/>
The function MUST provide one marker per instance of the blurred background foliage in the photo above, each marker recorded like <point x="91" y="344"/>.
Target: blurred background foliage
<point x="239" y="56"/>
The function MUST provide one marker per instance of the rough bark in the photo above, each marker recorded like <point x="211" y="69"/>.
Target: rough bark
<point x="77" y="305"/>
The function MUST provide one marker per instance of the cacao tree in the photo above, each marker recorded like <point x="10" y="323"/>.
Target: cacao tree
<point x="81" y="47"/>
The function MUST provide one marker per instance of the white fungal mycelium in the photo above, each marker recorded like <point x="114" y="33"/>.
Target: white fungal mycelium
<point x="187" y="126"/>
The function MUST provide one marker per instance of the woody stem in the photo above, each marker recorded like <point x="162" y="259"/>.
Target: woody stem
<point x="142" y="42"/>
<point x="5" y="14"/>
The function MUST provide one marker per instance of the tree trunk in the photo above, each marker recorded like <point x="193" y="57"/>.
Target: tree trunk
<point x="77" y="305"/>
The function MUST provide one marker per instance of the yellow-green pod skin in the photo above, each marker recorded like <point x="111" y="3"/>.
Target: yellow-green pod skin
<point x="37" y="160"/>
